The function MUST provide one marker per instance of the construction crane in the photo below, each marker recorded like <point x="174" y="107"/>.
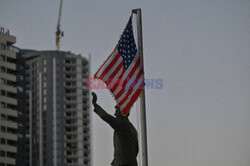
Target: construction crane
<point x="59" y="33"/>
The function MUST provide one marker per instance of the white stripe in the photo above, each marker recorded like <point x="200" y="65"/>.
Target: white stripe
<point x="131" y="66"/>
<point x="116" y="77"/>
<point x="107" y="63"/>
<point x="132" y="94"/>
<point x="132" y="79"/>
<point x="113" y="68"/>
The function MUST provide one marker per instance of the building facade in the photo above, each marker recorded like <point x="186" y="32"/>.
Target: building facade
<point x="55" y="115"/>
<point x="8" y="101"/>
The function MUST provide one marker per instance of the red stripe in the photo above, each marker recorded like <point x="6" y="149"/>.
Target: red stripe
<point x="131" y="102"/>
<point x="110" y="65"/>
<point x="104" y="63"/>
<point x="131" y="88"/>
<point x="117" y="83"/>
<point x="129" y="76"/>
<point x="111" y="77"/>
<point x="116" y="71"/>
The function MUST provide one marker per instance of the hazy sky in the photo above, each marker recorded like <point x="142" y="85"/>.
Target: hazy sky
<point x="201" y="50"/>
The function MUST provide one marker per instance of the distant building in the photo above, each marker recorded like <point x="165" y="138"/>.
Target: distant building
<point x="8" y="101"/>
<point x="55" y="109"/>
<point x="22" y="157"/>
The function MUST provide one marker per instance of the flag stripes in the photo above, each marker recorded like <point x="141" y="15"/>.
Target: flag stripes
<point x="123" y="71"/>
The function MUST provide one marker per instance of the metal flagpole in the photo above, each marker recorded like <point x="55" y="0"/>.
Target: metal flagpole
<point x="142" y="99"/>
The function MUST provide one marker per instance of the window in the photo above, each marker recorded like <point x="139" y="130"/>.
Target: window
<point x="3" y="92"/>
<point x="45" y="92"/>
<point x="3" y="141"/>
<point x="2" y="81"/>
<point x="20" y="89"/>
<point x="58" y="90"/>
<point x="44" y="69"/>
<point x="15" y="49"/>
<point x="20" y="77"/>
<point x="11" y="143"/>
<point x="85" y="162"/>
<point x="45" y="99"/>
<point x="2" y="46"/>
<point x="58" y="144"/>
<point x="44" y="84"/>
<point x="58" y="106"/>
<point x="58" y="139"/>
<point x="2" y="69"/>
<point x="3" y="128"/>
<point x="58" y="154"/>
<point x="58" y="113"/>
<point x="2" y="58"/>
<point x="2" y="105"/>
<point x="2" y="153"/>
<point x="11" y="155"/>
<point x="58" y="161"/>
<point x="58" y="122"/>
<point x="3" y="117"/>
<point x="44" y="76"/>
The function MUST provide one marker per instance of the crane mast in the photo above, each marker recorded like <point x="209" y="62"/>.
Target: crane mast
<point x="59" y="33"/>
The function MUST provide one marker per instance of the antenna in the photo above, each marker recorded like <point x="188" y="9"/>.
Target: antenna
<point x="59" y="33"/>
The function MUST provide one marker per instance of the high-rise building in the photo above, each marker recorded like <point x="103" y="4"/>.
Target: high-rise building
<point x="56" y="117"/>
<point x="22" y="157"/>
<point x="8" y="101"/>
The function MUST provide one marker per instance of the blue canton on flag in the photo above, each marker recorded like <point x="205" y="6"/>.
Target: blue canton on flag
<point x="127" y="47"/>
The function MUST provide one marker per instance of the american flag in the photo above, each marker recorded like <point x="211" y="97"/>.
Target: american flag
<point x="122" y="72"/>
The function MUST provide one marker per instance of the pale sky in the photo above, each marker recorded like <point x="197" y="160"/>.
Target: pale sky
<point x="201" y="50"/>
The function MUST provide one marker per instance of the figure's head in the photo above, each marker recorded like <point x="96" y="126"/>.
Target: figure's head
<point x="118" y="112"/>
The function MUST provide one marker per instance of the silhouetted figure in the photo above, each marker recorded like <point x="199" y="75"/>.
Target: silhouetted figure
<point x="125" y="135"/>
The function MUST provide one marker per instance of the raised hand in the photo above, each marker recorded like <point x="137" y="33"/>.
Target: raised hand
<point x="94" y="99"/>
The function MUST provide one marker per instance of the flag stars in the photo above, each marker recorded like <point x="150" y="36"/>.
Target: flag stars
<point x="127" y="47"/>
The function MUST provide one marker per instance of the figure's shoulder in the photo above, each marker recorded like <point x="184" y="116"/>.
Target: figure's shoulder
<point x="129" y="125"/>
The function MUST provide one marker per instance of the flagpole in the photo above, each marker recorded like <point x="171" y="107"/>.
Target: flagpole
<point x="143" y="123"/>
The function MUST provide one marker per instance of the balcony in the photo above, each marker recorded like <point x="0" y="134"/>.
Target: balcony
<point x="70" y="78"/>
<point x="70" y="61"/>
<point x="7" y="76"/>
<point x="71" y="140"/>
<point x="71" y="125"/>
<point x="9" y="111"/>
<point x="70" y="70"/>
<point x="8" y="65"/>
<point x="70" y="101"/>
<point x="9" y="53"/>
<point x="9" y="88"/>
<point x="70" y="84"/>
<point x="9" y="100"/>
<point x="70" y="117"/>
<point x="70" y="131"/>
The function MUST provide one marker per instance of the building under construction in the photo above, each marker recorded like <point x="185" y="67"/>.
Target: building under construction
<point x="56" y="115"/>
